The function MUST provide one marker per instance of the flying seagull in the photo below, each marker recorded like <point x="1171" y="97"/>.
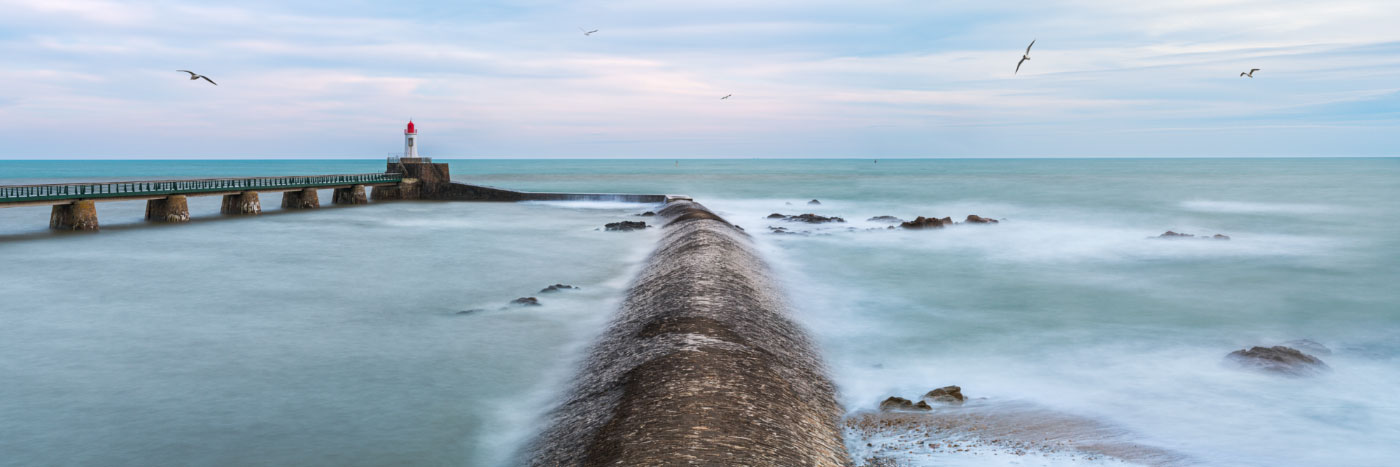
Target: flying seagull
<point x="1251" y="72"/>
<point x="1024" y="57"/>
<point x="588" y="33"/>
<point x="725" y="97"/>
<point x="195" y="76"/>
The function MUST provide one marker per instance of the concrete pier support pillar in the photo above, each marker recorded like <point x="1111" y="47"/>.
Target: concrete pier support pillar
<point x="81" y="215"/>
<point x="409" y="188"/>
<point x="352" y="195"/>
<point x="245" y="203"/>
<point x="304" y="199"/>
<point x="176" y="208"/>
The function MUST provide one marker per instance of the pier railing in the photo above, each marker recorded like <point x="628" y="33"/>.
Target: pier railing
<point x="178" y="187"/>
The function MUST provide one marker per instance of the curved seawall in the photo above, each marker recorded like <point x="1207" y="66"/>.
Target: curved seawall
<point x="701" y="366"/>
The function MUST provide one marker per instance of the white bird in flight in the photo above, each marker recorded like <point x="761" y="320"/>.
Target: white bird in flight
<point x="1251" y="72"/>
<point x="725" y="97"/>
<point x="588" y="33"/>
<point x="1024" y="57"/>
<point x="195" y="76"/>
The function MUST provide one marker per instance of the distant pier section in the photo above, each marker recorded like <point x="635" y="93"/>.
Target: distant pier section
<point x="404" y="178"/>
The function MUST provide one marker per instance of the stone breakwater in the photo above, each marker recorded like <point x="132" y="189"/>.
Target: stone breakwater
<point x="702" y="366"/>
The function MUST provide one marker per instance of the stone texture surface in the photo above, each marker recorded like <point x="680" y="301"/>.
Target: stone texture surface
<point x="80" y="215"/>
<point x="245" y="203"/>
<point x="351" y="195"/>
<point x="702" y="366"/>
<point x="302" y="199"/>
<point x="927" y="223"/>
<point x="1278" y="359"/>
<point x="946" y="395"/>
<point x="176" y="208"/>
<point x="433" y="177"/>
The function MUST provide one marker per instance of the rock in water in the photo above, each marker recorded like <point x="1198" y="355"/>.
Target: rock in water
<point x="701" y="366"/>
<point x="976" y="219"/>
<point x="885" y="219"/>
<point x="625" y="226"/>
<point x="556" y="288"/>
<point x="526" y="301"/>
<point x="647" y="214"/>
<point x="900" y="404"/>
<point x="927" y="223"/>
<point x="1221" y="237"/>
<point x="815" y="219"/>
<point x="946" y="395"/>
<point x="1170" y="234"/>
<point x="814" y="202"/>
<point x="776" y="216"/>
<point x="1278" y="359"/>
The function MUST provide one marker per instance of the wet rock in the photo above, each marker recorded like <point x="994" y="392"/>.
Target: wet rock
<point x="776" y="216"/>
<point x="880" y="461"/>
<point x="814" y="219"/>
<point x="927" y="223"/>
<point x="1278" y="359"/>
<point x="904" y="405"/>
<point x="885" y="219"/>
<point x="784" y="231"/>
<point x="976" y="219"/>
<point x="814" y="203"/>
<point x="647" y="214"/>
<point x="526" y="301"/>
<point x="471" y="311"/>
<point x="946" y="395"/>
<point x="1171" y="234"/>
<point x="625" y="226"/>
<point x="557" y="287"/>
<point x="1308" y="346"/>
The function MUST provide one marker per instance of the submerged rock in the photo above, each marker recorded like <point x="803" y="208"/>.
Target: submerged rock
<point x="885" y="219"/>
<point x="1308" y="346"/>
<point x="647" y="214"/>
<point x="814" y="202"/>
<point x="976" y="219"/>
<point x="1278" y="359"/>
<point x="905" y="405"/>
<point x="557" y="287"/>
<point x="471" y="311"/>
<point x="1174" y="235"/>
<point x="625" y="226"/>
<point x="815" y="219"/>
<point x="927" y="223"/>
<point x="526" y="301"/>
<point x="808" y="218"/>
<point x="946" y="394"/>
<point x="784" y="231"/>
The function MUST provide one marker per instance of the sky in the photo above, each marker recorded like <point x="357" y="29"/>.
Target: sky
<point x="84" y="79"/>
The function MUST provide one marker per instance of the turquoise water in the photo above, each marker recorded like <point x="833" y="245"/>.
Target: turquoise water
<point x="331" y="337"/>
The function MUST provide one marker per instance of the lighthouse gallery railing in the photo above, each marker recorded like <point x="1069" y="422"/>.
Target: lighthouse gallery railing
<point x="181" y="187"/>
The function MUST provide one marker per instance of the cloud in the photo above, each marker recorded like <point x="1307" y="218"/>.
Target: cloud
<point x="819" y="78"/>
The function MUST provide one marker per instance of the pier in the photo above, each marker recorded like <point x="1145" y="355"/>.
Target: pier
<point x="75" y="209"/>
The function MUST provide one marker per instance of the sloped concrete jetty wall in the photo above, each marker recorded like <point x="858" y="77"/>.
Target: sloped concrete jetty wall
<point x="702" y="366"/>
<point x="456" y="191"/>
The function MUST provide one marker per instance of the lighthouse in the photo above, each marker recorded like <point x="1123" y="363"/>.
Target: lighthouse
<point x="410" y="141"/>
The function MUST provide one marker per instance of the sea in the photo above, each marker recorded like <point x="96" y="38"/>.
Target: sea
<point x="384" y="334"/>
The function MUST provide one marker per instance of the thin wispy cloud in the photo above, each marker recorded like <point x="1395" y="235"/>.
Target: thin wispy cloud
<point x="93" y="78"/>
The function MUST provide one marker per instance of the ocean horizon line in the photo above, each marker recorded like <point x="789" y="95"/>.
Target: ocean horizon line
<point x="693" y="158"/>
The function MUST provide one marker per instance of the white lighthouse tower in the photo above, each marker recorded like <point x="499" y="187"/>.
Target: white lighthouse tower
<point x="410" y="141"/>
